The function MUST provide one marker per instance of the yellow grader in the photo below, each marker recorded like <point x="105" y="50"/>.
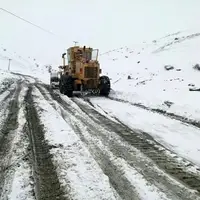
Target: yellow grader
<point x="82" y="73"/>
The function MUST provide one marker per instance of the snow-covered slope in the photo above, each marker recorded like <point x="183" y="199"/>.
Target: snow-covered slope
<point x="20" y="64"/>
<point x="151" y="84"/>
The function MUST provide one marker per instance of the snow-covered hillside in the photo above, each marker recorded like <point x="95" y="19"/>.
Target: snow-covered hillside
<point x="150" y="84"/>
<point x="20" y="64"/>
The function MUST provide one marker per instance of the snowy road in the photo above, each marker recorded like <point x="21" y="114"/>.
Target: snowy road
<point x="53" y="147"/>
<point x="174" y="133"/>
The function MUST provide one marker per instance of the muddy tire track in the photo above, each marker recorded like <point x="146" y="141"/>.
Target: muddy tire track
<point x="47" y="185"/>
<point x="149" y="147"/>
<point x="162" y="112"/>
<point x="8" y="92"/>
<point x="120" y="183"/>
<point x="4" y="104"/>
<point x="144" y="144"/>
<point x="7" y="83"/>
<point x="10" y="124"/>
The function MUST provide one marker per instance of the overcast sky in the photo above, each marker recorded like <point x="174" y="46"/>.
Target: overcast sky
<point x="104" y="24"/>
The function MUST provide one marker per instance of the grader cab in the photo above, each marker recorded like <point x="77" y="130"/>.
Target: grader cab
<point x="82" y="73"/>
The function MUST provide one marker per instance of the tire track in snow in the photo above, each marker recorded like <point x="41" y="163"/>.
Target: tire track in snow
<point x="162" y="112"/>
<point x="17" y="182"/>
<point x="146" y="144"/>
<point x="28" y="78"/>
<point x="7" y="84"/>
<point x="9" y="126"/>
<point x="120" y="183"/>
<point x="82" y="175"/>
<point x="47" y="184"/>
<point x="4" y="103"/>
<point x="111" y="150"/>
<point x="7" y="93"/>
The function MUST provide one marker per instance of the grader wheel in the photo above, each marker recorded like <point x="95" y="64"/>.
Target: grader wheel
<point x="104" y="85"/>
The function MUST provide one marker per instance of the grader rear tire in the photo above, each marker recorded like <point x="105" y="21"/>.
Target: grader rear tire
<point x="104" y="86"/>
<point x="61" y="87"/>
<point x="68" y="86"/>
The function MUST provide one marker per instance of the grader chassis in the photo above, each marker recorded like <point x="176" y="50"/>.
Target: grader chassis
<point x="82" y="74"/>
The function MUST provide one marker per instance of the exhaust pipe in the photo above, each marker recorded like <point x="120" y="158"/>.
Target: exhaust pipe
<point x="63" y="57"/>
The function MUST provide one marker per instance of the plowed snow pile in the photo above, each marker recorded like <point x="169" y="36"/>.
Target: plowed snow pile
<point x="151" y="83"/>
